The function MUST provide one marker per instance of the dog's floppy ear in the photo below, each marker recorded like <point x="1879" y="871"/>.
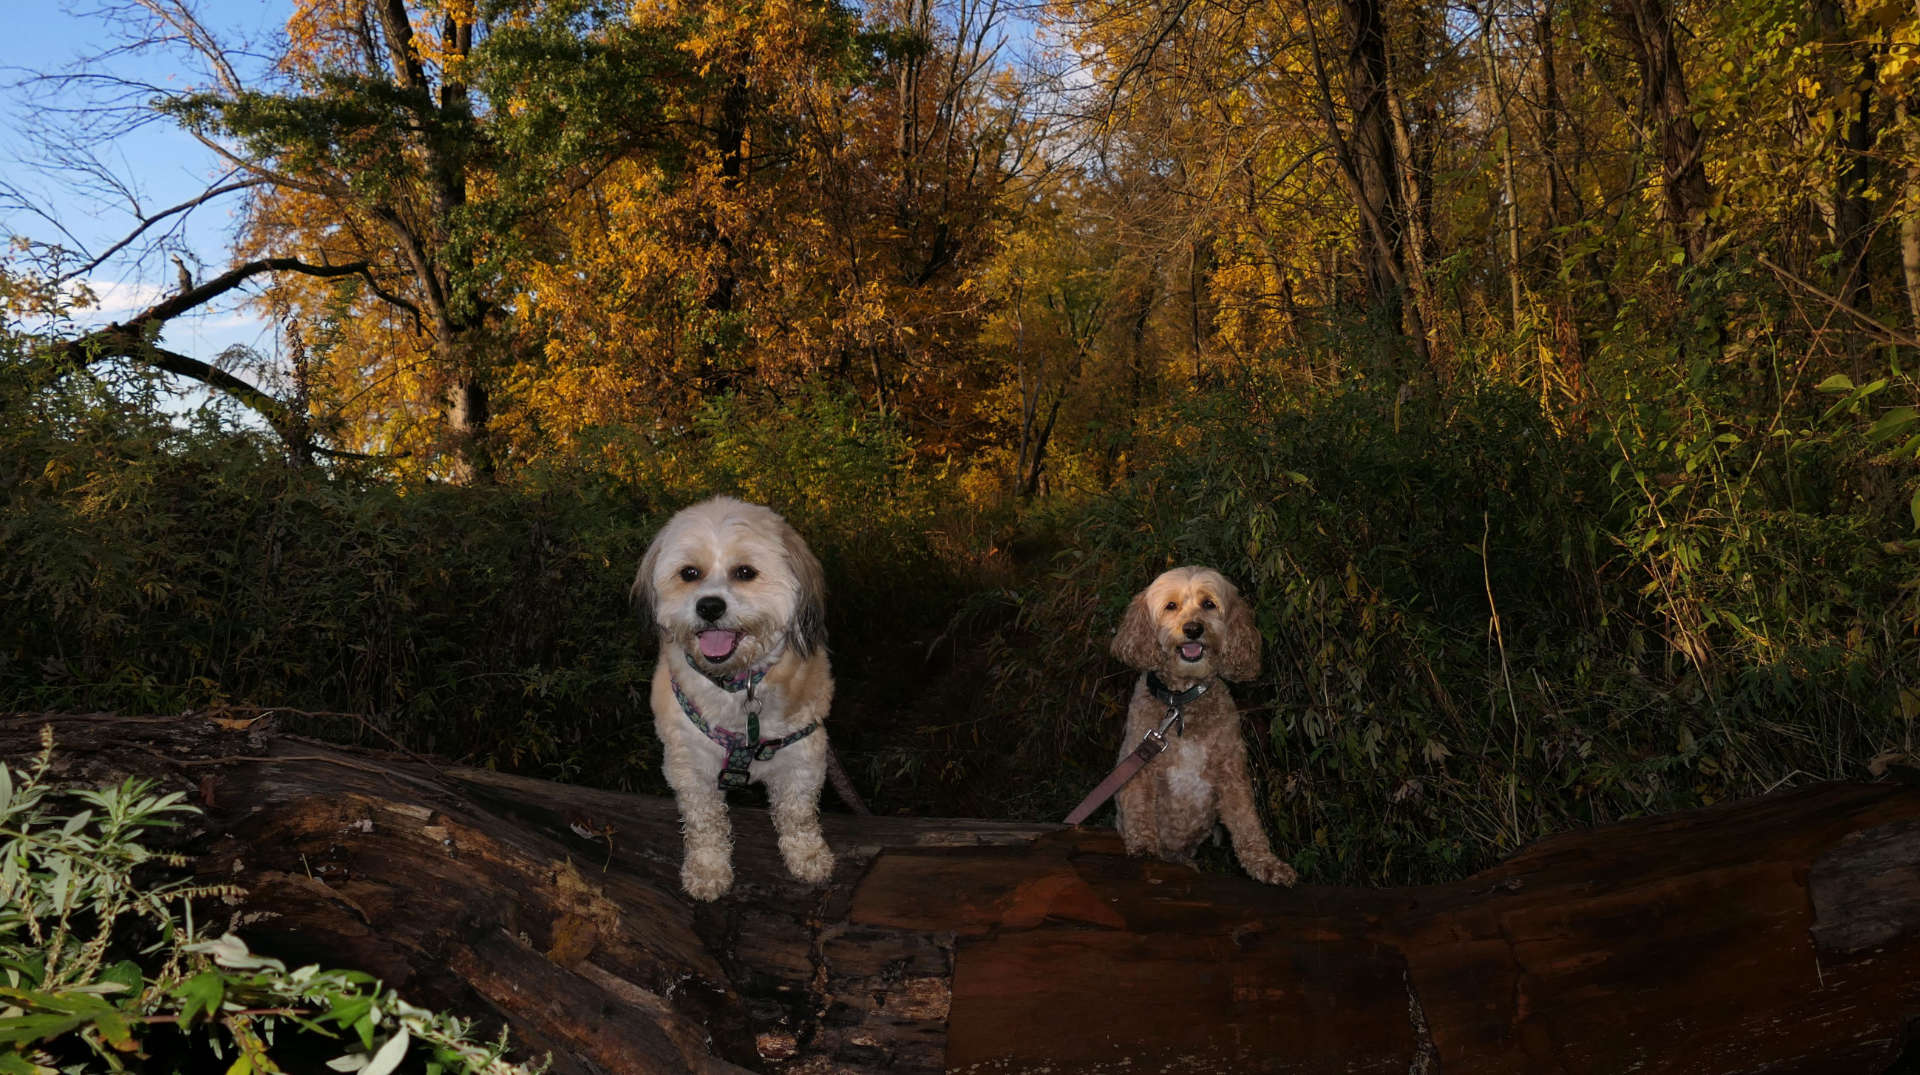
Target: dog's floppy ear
<point x="1240" y="649"/>
<point x="642" y="592"/>
<point x="1137" y="643"/>
<point x="809" y="629"/>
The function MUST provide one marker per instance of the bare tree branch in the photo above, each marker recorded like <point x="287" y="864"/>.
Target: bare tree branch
<point x="170" y="308"/>
<point x="181" y="19"/>
<point x="135" y="338"/>
<point x="149" y="221"/>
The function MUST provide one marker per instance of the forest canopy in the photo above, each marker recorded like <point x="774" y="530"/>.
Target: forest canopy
<point x="1543" y="370"/>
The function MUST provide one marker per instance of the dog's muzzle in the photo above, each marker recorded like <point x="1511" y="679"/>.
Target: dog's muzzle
<point x="1193" y="649"/>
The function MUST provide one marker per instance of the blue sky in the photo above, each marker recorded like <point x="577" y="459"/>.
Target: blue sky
<point x="160" y="165"/>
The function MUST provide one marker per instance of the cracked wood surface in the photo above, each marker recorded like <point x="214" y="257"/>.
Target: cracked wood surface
<point x="1780" y="934"/>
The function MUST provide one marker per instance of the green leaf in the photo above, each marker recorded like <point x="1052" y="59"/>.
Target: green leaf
<point x="1914" y="507"/>
<point x="203" y="993"/>
<point x="113" y="1028"/>
<point x="15" y="1064"/>
<point x="1892" y="423"/>
<point x="23" y="1029"/>
<point x="65" y="1003"/>
<point x="345" y="1011"/>
<point x="32" y="966"/>
<point x="126" y="974"/>
<point x="1835" y="385"/>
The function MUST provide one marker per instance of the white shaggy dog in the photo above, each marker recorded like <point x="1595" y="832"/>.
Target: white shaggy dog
<point x="742" y="684"/>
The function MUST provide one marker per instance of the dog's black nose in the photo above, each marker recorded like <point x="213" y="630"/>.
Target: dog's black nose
<point x="1194" y="629"/>
<point x="710" y="608"/>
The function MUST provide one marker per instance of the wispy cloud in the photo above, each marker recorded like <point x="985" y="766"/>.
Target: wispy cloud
<point x="117" y="300"/>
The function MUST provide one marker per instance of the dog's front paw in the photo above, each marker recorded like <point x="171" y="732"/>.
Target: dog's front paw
<point x="1272" y="872"/>
<point x="706" y="876"/>
<point x="809" y="860"/>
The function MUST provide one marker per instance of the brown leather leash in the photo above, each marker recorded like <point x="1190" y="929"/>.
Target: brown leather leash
<point x="1151" y="744"/>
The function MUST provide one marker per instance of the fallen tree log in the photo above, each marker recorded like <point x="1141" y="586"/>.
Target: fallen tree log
<point x="1780" y="934"/>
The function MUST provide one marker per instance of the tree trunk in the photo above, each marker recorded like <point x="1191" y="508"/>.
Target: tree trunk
<point x="1910" y="222"/>
<point x="1853" y="144"/>
<point x="1374" y="160"/>
<point x="714" y="377"/>
<point x="456" y="308"/>
<point x="1853" y="221"/>
<point x="1414" y="189"/>
<point x="1779" y="934"/>
<point x="1665" y="101"/>
<point x="1509" y="197"/>
<point x="1371" y="166"/>
<point x="1562" y="209"/>
<point x="467" y="407"/>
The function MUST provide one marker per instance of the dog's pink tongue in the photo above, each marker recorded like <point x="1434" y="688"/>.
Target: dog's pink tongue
<point x="1192" y="651"/>
<point x="718" y="645"/>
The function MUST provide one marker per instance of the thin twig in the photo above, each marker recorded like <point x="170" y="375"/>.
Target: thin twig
<point x="1499" y="641"/>
<point x="1887" y="335"/>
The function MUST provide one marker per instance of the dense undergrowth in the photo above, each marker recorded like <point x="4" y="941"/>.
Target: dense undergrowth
<point x="1485" y="621"/>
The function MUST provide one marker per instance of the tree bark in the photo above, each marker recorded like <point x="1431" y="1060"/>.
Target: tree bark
<point x="1777" y="934"/>
<point x="1668" y="106"/>
<point x="1853" y="139"/>
<point x="1376" y="165"/>
<point x="1371" y="166"/>
<point x="1853" y="145"/>
<point x="1910" y="220"/>
<point x="461" y="345"/>
<point x="1562" y="209"/>
<point x="1509" y="196"/>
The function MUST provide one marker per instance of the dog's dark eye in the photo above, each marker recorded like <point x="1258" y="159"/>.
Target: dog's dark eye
<point x="1206" y="602"/>
<point x="689" y="573"/>
<point x="746" y="573"/>
<point x="1173" y="606"/>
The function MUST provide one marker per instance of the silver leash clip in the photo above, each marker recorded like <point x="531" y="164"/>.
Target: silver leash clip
<point x="1155" y="741"/>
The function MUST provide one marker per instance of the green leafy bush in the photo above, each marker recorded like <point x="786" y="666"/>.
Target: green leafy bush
<point x="152" y="569"/>
<point x="105" y="967"/>
<point x="1486" y="621"/>
<point x="154" y="565"/>
<point x="1473" y="623"/>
